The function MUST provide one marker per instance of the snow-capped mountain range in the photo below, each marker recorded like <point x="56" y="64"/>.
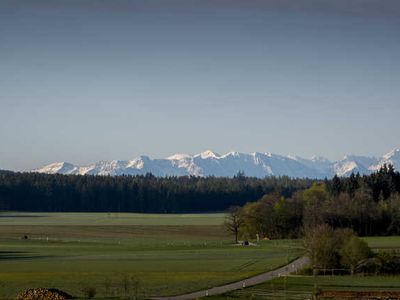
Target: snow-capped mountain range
<point x="209" y="163"/>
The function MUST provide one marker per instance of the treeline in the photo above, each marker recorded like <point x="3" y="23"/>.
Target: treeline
<point x="68" y="193"/>
<point x="369" y="205"/>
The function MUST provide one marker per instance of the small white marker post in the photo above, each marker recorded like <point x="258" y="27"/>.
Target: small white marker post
<point x="244" y="284"/>
<point x="207" y="293"/>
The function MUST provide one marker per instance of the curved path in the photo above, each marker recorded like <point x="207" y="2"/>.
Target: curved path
<point x="285" y="270"/>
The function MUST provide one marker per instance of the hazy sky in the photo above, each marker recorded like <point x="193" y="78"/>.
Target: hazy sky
<point x="90" y="80"/>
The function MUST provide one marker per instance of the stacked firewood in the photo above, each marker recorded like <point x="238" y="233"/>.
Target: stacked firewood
<point x="43" y="294"/>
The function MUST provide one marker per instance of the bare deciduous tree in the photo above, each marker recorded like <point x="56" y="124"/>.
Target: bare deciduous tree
<point x="234" y="221"/>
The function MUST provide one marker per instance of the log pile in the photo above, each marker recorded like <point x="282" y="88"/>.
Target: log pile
<point x="43" y="294"/>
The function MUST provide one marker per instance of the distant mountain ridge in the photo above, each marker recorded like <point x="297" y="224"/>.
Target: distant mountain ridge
<point x="209" y="163"/>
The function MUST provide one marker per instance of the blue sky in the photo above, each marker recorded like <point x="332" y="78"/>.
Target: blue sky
<point x="85" y="80"/>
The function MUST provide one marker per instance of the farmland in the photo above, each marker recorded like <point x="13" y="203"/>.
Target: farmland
<point x="303" y="287"/>
<point x="162" y="254"/>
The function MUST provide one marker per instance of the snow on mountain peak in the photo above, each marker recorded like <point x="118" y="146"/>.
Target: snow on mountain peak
<point x="58" y="167"/>
<point x="392" y="158"/>
<point x="208" y="154"/>
<point x="391" y="154"/>
<point x="257" y="154"/>
<point x="136" y="163"/>
<point x="209" y="163"/>
<point x="345" y="168"/>
<point x="316" y="158"/>
<point x="179" y="156"/>
<point x="235" y="153"/>
<point x="231" y="154"/>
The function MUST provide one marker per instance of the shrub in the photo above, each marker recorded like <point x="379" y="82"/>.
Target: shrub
<point x="353" y="251"/>
<point x="89" y="292"/>
<point x="307" y="271"/>
<point x="390" y="263"/>
<point x="330" y="248"/>
<point x="369" y="266"/>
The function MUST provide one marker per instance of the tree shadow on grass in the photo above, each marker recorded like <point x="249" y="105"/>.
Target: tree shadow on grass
<point x="19" y="255"/>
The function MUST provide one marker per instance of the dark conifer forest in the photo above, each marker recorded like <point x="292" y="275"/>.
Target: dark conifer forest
<point x="74" y="193"/>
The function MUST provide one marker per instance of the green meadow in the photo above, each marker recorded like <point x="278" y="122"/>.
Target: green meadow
<point x="303" y="287"/>
<point x="158" y="254"/>
<point x="378" y="243"/>
<point x="26" y="218"/>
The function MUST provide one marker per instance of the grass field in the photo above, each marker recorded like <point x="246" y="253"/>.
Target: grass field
<point x="383" y="242"/>
<point x="303" y="287"/>
<point x="17" y="218"/>
<point x="168" y="254"/>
